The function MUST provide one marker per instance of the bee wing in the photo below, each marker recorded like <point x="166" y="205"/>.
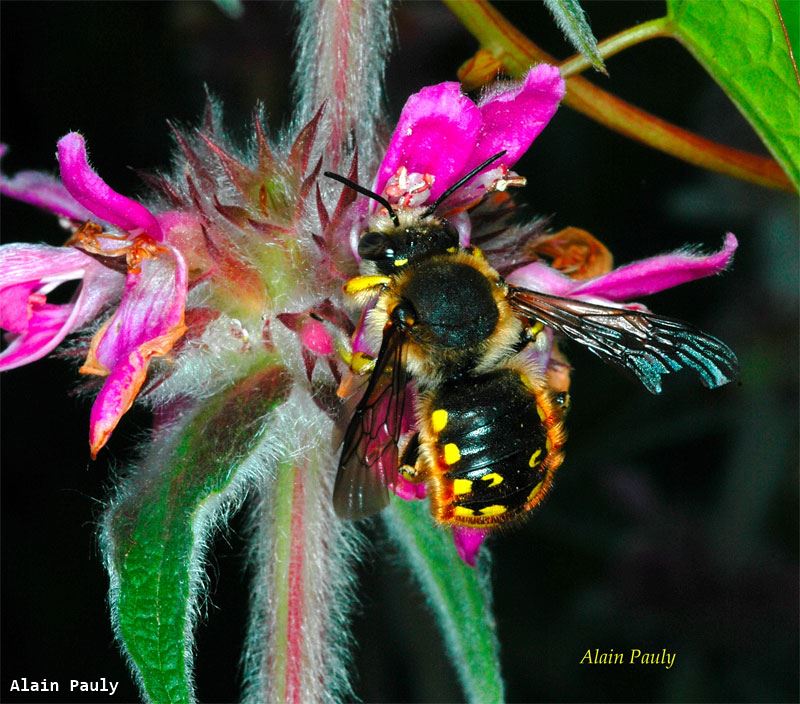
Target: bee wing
<point x="369" y="461"/>
<point x="647" y="345"/>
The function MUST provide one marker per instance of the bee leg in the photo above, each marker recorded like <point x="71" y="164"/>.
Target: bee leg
<point x="533" y="331"/>
<point x="409" y="461"/>
<point x="362" y="288"/>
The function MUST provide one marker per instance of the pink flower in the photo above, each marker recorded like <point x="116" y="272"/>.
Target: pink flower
<point x="134" y="265"/>
<point x="442" y="135"/>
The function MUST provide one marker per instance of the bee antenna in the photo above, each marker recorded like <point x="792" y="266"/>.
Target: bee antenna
<point x="366" y="192"/>
<point x="460" y="183"/>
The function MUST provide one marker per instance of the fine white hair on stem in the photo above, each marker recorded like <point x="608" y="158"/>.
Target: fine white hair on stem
<point x="342" y="49"/>
<point x="302" y="569"/>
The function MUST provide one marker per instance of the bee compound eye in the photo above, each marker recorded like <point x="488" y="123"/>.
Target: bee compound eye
<point x="374" y="246"/>
<point x="450" y="235"/>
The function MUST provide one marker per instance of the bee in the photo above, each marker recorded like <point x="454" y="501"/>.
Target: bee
<point x="489" y="432"/>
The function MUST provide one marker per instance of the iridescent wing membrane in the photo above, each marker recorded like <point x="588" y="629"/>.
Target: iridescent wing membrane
<point x="369" y="461"/>
<point x="646" y="345"/>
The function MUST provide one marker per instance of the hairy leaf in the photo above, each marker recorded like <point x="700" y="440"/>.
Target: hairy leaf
<point x="460" y="597"/>
<point x="571" y="20"/>
<point x="157" y="527"/>
<point x="742" y="45"/>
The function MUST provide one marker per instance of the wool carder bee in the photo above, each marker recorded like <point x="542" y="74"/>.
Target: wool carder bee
<point x="459" y="347"/>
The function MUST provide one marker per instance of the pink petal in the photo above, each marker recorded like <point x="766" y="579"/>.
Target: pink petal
<point x="316" y="338"/>
<point x="513" y="118"/>
<point x="468" y="541"/>
<point x="359" y="339"/>
<point x="43" y="191"/>
<point x="409" y="491"/>
<point x="312" y="333"/>
<point x="537" y="276"/>
<point x="47" y="326"/>
<point x="435" y="135"/>
<point x="152" y="305"/>
<point x="28" y="263"/>
<point x="15" y="306"/>
<point x="461" y="221"/>
<point x="147" y="324"/>
<point x="656" y="274"/>
<point x="27" y="273"/>
<point x="95" y="194"/>
<point x="115" y="398"/>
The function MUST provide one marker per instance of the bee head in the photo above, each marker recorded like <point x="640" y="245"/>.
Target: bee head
<point x="393" y="250"/>
<point x="409" y="233"/>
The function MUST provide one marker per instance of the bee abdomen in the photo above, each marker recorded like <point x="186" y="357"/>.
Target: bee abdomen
<point x="495" y="441"/>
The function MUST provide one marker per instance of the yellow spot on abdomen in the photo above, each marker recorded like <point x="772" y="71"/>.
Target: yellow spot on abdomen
<point x="400" y="262"/>
<point x="364" y="283"/>
<point x="492" y="477"/>
<point x="541" y="412"/>
<point x="534" y="460"/>
<point x="464" y="512"/>
<point x="451" y="453"/>
<point x="462" y="486"/>
<point x="535" y="491"/>
<point x="439" y="420"/>
<point x="494" y="510"/>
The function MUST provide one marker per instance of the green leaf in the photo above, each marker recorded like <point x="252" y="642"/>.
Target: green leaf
<point x="741" y="43"/>
<point x="571" y="20"/>
<point x="156" y="529"/>
<point x="459" y="595"/>
<point x="790" y="10"/>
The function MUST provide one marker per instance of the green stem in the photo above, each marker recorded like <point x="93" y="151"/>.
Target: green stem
<point x="283" y="507"/>
<point x="460" y="597"/>
<point x="619" y="42"/>
<point x="518" y="53"/>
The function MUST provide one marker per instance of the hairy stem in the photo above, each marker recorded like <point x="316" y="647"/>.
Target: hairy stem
<point x="298" y="649"/>
<point x="342" y="50"/>
<point x="518" y="53"/>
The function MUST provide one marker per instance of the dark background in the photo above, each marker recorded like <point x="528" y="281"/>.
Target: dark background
<point x="674" y="522"/>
